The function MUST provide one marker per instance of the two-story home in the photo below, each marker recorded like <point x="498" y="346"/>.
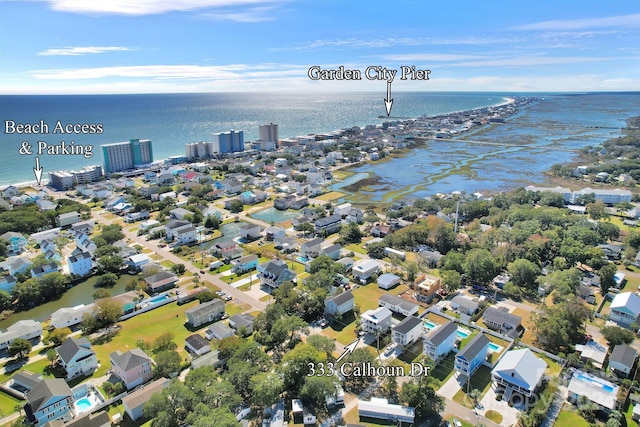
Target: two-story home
<point x="472" y="355"/>
<point x="16" y="242"/>
<point x="134" y="402"/>
<point x="231" y="186"/>
<point x="49" y="400"/>
<point x="161" y="281"/>
<point x="622" y="360"/>
<point x="197" y="345"/>
<point x="76" y="357"/>
<point x="328" y="225"/>
<point x="7" y="282"/>
<point x="205" y="313"/>
<point x="519" y="371"/>
<point x="133" y="367"/>
<point x="408" y="331"/>
<point x="173" y="225"/>
<point x="499" y="319"/>
<point x="398" y="305"/>
<point x="340" y="304"/>
<point x="363" y="270"/>
<point x="25" y="329"/>
<point x="80" y="264"/>
<point x="440" y="341"/>
<point x="427" y="287"/>
<point x="625" y="309"/>
<point x="245" y="263"/>
<point x="185" y="235"/>
<point x="311" y="248"/>
<point x="332" y="251"/>
<point x="388" y="281"/>
<point x="249" y="232"/>
<point x="70" y="316"/>
<point x="85" y="227"/>
<point x="227" y="250"/>
<point x="242" y="323"/>
<point x="376" y="321"/>
<point x="17" y="264"/>
<point x="464" y="305"/>
<point x="275" y="272"/>
<point x="41" y="270"/>
<point x="342" y="209"/>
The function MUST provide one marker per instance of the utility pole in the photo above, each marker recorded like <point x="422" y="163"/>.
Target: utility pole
<point x="455" y="228"/>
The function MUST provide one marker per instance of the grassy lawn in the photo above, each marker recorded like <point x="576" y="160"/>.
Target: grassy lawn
<point x="8" y="403"/>
<point x="466" y="340"/>
<point x="570" y="419"/>
<point x="357" y="248"/>
<point x="443" y="371"/>
<point x="627" y="414"/>
<point x="332" y="195"/>
<point x="147" y="326"/>
<point x="481" y="380"/>
<point x="367" y="296"/>
<point x="436" y="318"/>
<point x="529" y="336"/>
<point x="553" y="368"/>
<point x="342" y="331"/>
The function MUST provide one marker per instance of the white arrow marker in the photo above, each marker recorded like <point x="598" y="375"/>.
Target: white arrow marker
<point x="348" y="349"/>
<point x="38" y="170"/>
<point x="388" y="102"/>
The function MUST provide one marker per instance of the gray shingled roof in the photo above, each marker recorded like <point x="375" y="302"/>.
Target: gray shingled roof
<point x="407" y="324"/>
<point x="42" y="393"/>
<point x="474" y="347"/>
<point x="441" y="333"/>
<point x="197" y="341"/>
<point x="624" y="355"/>
<point x="341" y="298"/>
<point x="130" y="359"/>
<point x="397" y="301"/>
<point x="71" y="346"/>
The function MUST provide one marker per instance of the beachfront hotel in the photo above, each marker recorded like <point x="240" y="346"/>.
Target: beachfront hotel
<point x="228" y="142"/>
<point x="122" y="156"/>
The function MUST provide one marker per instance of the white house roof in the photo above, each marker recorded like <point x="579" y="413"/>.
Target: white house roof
<point x="520" y="367"/>
<point x="627" y="301"/>
<point x="376" y="315"/>
<point x="596" y="389"/>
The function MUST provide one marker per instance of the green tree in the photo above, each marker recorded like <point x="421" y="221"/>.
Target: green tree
<point x="295" y="366"/>
<point x="212" y="222"/>
<point x="322" y="343"/>
<point x="178" y="269"/>
<point x="480" y="266"/>
<point x="265" y="388"/>
<point x="52" y="355"/>
<point x="317" y="388"/>
<point x="236" y="206"/>
<point x="451" y="279"/>
<point x="167" y="363"/>
<point x="56" y="336"/>
<point x="306" y="228"/>
<point x="524" y="273"/>
<point x="607" y="279"/>
<point x="106" y="280"/>
<point x="412" y="271"/>
<point x="110" y="263"/>
<point x="19" y="348"/>
<point x="107" y="312"/>
<point x="420" y="393"/>
<point x="359" y="357"/>
<point x="597" y="210"/>
<point x="351" y="233"/>
<point x="101" y="293"/>
<point x="616" y="335"/>
<point x="164" y="342"/>
<point x="559" y="325"/>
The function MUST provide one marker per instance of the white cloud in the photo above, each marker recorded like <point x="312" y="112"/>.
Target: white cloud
<point x="145" y="7"/>
<point x="579" y="24"/>
<point x="84" y="50"/>
<point x="251" y="15"/>
<point x="534" y="61"/>
<point x="435" y="57"/>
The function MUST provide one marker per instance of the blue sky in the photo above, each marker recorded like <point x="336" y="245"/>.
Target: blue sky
<point x="147" y="46"/>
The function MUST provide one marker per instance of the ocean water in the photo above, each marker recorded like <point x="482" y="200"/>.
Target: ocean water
<point x="172" y="120"/>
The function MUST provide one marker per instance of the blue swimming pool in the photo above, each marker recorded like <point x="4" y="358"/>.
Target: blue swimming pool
<point x="601" y="383"/>
<point x="462" y="334"/>
<point x="83" y="404"/>
<point x="157" y="299"/>
<point x="302" y="259"/>
<point x="429" y="324"/>
<point x="493" y="347"/>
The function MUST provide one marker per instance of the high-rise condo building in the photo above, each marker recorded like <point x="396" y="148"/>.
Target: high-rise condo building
<point x="122" y="156"/>
<point x="268" y="135"/>
<point x="65" y="179"/>
<point x="198" y="150"/>
<point x="228" y="142"/>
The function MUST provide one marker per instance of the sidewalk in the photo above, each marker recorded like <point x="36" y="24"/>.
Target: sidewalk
<point x="450" y="388"/>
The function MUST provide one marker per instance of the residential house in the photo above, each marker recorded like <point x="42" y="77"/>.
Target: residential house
<point x="592" y="352"/>
<point x="381" y="409"/>
<point x="210" y="359"/>
<point x="464" y="305"/>
<point x="250" y="231"/>
<point x="67" y="219"/>
<point x="311" y="248"/>
<point x="611" y="251"/>
<point x="328" y="225"/>
<point x="70" y="316"/>
<point x="242" y="322"/>
<point x="85" y="227"/>
<point x="25" y="329"/>
<point x="227" y="250"/>
<point x="408" y="331"/>
<point x="136" y="216"/>
<point x="332" y="251"/>
<point x="22" y="383"/>
<point x="622" y="360"/>
<point x="273" y="273"/>
<point x="340" y="304"/>
<point x="133" y="367"/>
<point x="205" y="313"/>
<point x="80" y="264"/>
<point x="84" y="243"/>
<point x="137" y="262"/>
<point x="625" y="309"/>
<point x="231" y="186"/>
<point x="355" y="215"/>
<point x="398" y="305"/>
<point x="76" y="357"/>
<point x="174" y="225"/>
<point x="17" y="264"/>
<point x="10" y="191"/>
<point x="427" y="287"/>
<point x="440" y="341"/>
<point x="49" y="400"/>
<point x="245" y="263"/>
<point x="41" y="270"/>
<point x="134" y="402"/>
<point x="380" y="230"/>
<point x="364" y="269"/>
<point x="499" y="319"/>
<point x="587" y="293"/>
<point x="181" y="214"/>
<point x="431" y="258"/>
<point x="218" y="331"/>
<point x="161" y="281"/>
<point x="597" y="390"/>
<point x="472" y="355"/>
<point x="185" y="235"/>
<point x="16" y="242"/>
<point x="7" y="283"/>
<point x="272" y="232"/>
<point x="342" y="209"/>
<point x="376" y="321"/>
<point x="388" y="281"/>
<point x="519" y="371"/>
<point x="197" y="345"/>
